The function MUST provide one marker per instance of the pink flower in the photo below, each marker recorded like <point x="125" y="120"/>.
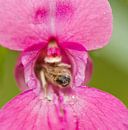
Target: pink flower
<point x="60" y="31"/>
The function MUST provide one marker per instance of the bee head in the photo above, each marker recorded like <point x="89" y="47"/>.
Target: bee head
<point x="63" y="80"/>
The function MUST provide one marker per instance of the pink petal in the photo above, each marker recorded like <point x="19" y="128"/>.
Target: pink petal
<point x="25" y="23"/>
<point x="79" y="60"/>
<point x="82" y="109"/>
<point x="20" y="25"/>
<point x="88" y="22"/>
<point x="89" y="70"/>
<point x="24" y="72"/>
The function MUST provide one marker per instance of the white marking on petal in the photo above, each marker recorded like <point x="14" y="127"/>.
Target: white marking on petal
<point x="52" y="16"/>
<point x="53" y="59"/>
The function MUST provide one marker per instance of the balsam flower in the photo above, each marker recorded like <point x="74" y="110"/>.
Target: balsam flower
<point x="75" y="27"/>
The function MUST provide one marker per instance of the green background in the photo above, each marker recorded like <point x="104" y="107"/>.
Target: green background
<point x="110" y="63"/>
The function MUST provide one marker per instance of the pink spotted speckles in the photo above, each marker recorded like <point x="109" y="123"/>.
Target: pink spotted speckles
<point x="41" y="15"/>
<point x="64" y="9"/>
<point x="53" y="52"/>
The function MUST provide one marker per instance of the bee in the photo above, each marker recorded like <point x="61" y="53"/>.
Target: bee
<point x="58" y="74"/>
<point x="53" y="71"/>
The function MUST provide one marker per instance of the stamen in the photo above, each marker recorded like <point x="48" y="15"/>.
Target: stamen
<point x="53" y="53"/>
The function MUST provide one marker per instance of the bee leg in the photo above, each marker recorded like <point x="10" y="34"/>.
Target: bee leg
<point x="65" y="65"/>
<point x="44" y="84"/>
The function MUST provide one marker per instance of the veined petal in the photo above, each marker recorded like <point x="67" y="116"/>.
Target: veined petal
<point x="23" y="23"/>
<point x="24" y="72"/>
<point x="88" y="22"/>
<point x="79" y="59"/>
<point x="83" y="108"/>
<point x="28" y="22"/>
<point x="89" y="70"/>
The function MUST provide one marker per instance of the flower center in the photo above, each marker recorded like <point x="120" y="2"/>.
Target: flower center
<point x="53" y="54"/>
<point x="51" y="68"/>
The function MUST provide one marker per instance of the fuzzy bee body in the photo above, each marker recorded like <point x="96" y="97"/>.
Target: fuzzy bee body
<point x="57" y="74"/>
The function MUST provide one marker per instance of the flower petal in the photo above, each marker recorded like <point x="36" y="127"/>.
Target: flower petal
<point x="24" y="71"/>
<point x="81" y="65"/>
<point x="20" y="25"/>
<point x="88" y="22"/>
<point x="89" y="70"/>
<point x="84" y="109"/>
<point x="24" y="23"/>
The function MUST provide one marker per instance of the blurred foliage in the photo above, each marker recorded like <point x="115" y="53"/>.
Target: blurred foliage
<point x="110" y="63"/>
<point x="8" y="88"/>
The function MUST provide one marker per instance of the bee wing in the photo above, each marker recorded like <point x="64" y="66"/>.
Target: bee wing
<point x="64" y="65"/>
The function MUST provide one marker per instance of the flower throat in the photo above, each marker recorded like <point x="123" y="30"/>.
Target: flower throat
<point x="52" y="69"/>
